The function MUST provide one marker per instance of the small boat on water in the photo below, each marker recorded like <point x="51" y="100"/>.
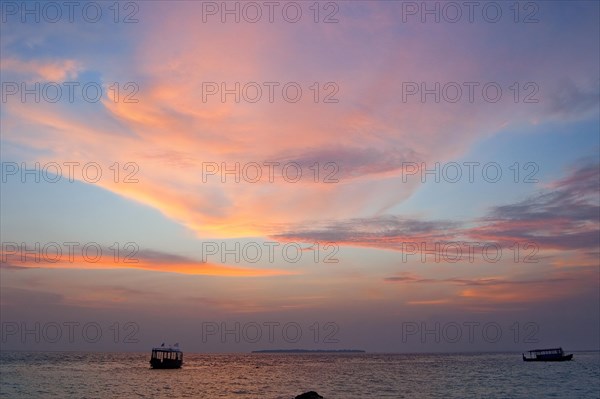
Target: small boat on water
<point x="547" y="355"/>
<point x="166" y="358"/>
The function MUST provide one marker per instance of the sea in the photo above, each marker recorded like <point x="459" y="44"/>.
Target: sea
<point x="341" y="376"/>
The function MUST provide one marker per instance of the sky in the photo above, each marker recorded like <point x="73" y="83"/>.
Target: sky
<point x="408" y="176"/>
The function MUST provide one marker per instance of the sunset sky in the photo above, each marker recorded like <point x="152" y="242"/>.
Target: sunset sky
<point x="371" y="142"/>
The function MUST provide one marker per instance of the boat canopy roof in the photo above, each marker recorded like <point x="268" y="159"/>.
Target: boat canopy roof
<point x="554" y="350"/>
<point x="166" y="349"/>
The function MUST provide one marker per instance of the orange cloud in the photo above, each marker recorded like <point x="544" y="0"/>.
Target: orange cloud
<point x="106" y="261"/>
<point x="510" y="290"/>
<point x="171" y="131"/>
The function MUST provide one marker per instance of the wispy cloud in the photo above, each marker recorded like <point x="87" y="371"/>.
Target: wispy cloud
<point x="571" y="100"/>
<point x="517" y="289"/>
<point x="564" y="216"/>
<point x="171" y="130"/>
<point x="41" y="70"/>
<point x="145" y="260"/>
<point x="567" y="216"/>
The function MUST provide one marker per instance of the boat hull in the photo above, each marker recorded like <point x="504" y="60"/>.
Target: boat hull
<point x="549" y="359"/>
<point x="165" y="364"/>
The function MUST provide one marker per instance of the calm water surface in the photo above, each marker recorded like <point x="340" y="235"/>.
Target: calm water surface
<point x="341" y="376"/>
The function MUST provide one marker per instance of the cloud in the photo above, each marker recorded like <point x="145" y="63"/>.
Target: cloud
<point x="517" y="289"/>
<point x="474" y="282"/>
<point x="353" y="162"/>
<point x="564" y="216"/>
<point x="387" y="231"/>
<point x="571" y="100"/>
<point x="144" y="259"/>
<point x="173" y="131"/>
<point x="42" y="70"/>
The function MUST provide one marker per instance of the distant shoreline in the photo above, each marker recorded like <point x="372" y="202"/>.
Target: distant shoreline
<point x="309" y="351"/>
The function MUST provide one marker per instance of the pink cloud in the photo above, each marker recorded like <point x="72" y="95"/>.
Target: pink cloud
<point x="171" y="132"/>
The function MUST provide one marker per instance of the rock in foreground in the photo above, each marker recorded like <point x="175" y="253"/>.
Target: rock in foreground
<point x="309" y="395"/>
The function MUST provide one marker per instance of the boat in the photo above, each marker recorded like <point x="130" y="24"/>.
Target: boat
<point x="166" y="358"/>
<point x="547" y="355"/>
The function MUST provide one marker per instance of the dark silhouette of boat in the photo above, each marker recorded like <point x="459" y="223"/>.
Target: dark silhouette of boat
<point x="547" y="355"/>
<point x="166" y="358"/>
